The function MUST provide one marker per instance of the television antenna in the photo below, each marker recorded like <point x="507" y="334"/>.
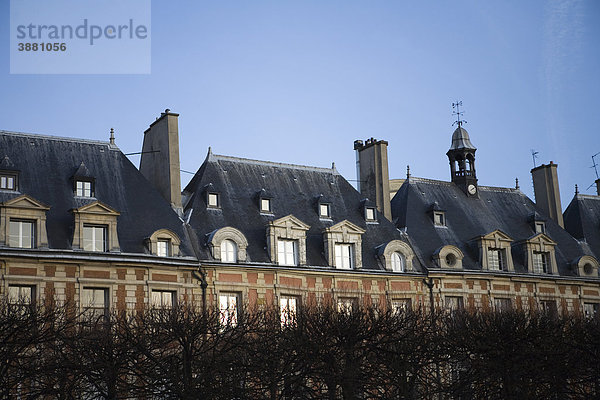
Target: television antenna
<point x="534" y="156"/>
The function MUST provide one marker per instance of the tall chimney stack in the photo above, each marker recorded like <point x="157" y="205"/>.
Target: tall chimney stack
<point x="547" y="194"/>
<point x="160" y="158"/>
<point x="598" y="186"/>
<point x="373" y="174"/>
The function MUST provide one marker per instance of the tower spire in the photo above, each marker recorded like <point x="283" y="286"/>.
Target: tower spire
<point x="462" y="156"/>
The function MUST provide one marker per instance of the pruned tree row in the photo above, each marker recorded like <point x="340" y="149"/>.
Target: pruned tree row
<point x="317" y="353"/>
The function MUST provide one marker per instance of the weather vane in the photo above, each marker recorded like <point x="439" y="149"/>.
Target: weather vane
<point x="458" y="113"/>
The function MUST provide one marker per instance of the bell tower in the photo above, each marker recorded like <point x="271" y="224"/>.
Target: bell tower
<point x="462" y="157"/>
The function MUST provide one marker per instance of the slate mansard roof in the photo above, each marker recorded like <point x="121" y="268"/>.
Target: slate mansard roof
<point x="46" y="167"/>
<point x="582" y="220"/>
<point x="293" y="189"/>
<point x="468" y="218"/>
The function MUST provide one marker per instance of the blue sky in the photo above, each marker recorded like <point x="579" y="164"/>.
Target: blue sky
<point x="299" y="81"/>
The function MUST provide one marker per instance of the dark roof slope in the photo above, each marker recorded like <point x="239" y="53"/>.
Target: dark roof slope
<point x="582" y="220"/>
<point x="508" y="210"/>
<point x="293" y="189"/>
<point x="46" y="167"/>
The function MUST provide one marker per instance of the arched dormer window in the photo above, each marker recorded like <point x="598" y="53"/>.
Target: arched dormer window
<point x="449" y="257"/>
<point x="229" y="251"/>
<point x="163" y="243"/>
<point x="587" y="266"/>
<point x="228" y="245"/>
<point x="397" y="256"/>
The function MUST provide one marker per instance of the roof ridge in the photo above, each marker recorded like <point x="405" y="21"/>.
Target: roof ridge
<point x="500" y="189"/>
<point x="58" y="138"/>
<point x="414" y="179"/>
<point x="218" y="157"/>
<point x="587" y="196"/>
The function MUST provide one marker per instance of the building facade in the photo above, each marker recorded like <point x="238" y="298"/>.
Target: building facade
<point x="80" y="224"/>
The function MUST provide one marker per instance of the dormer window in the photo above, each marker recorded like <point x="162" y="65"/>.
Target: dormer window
<point x="537" y="222"/>
<point x="370" y="214"/>
<point x="84" y="188"/>
<point x="265" y="205"/>
<point x="213" y="200"/>
<point x="163" y="247"/>
<point x="324" y="210"/>
<point x="439" y="218"/>
<point x="8" y="181"/>
<point x="540" y="227"/>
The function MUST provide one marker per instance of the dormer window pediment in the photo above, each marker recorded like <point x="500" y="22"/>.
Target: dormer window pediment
<point x="95" y="227"/>
<point x="540" y="255"/>
<point x="286" y="241"/>
<point x="23" y="223"/>
<point x="343" y="245"/>
<point x="496" y="251"/>
<point x="164" y="243"/>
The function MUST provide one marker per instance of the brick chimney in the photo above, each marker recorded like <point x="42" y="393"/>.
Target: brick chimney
<point x="373" y="174"/>
<point x="547" y="194"/>
<point x="160" y="158"/>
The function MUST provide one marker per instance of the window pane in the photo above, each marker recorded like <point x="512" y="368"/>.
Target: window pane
<point x="213" y="200"/>
<point x="228" y="251"/>
<point x="20" y="294"/>
<point x="454" y="302"/>
<point x="94" y="238"/>
<point x="228" y="307"/>
<point x="163" y="298"/>
<point x="162" y="248"/>
<point x="401" y="305"/>
<point x="287" y="252"/>
<point x="21" y="234"/>
<point x="344" y="255"/>
<point x="398" y="262"/>
<point x="370" y="214"/>
<point x="287" y="308"/>
<point x="496" y="259"/>
<point x="265" y="204"/>
<point x="324" y="210"/>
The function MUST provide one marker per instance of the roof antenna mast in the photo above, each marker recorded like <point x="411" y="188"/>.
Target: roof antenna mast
<point x="458" y="113"/>
<point x="534" y="156"/>
<point x="594" y="165"/>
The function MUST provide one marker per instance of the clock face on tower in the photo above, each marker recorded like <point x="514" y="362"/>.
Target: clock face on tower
<point x="471" y="189"/>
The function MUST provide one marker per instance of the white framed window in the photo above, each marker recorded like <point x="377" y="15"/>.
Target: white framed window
<point x="401" y="305"/>
<point x="502" y="304"/>
<point x="95" y="301"/>
<point x="229" y="251"/>
<point x="163" y="298"/>
<point x="8" y="182"/>
<point x="454" y="303"/>
<point x="229" y="308"/>
<point x="590" y="310"/>
<point x="496" y="260"/>
<point x="370" y="214"/>
<point x="288" y="307"/>
<point x="213" y="200"/>
<point x="21" y="234"/>
<point x="265" y="205"/>
<point x="439" y="219"/>
<point x="163" y="247"/>
<point x="398" y="262"/>
<point x="540" y="262"/>
<point x="324" y="210"/>
<point x="540" y="227"/>
<point x="83" y="188"/>
<point x="21" y="294"/>
<point x="346" y="304"/>
<point x="94" y="237"/>
<point x="287" y="252"/>
<point x="344" y="255"/>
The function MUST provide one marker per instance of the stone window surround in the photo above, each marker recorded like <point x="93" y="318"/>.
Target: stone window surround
<point x="216" y="237"/>
<point x="496" y="240"/>
<point x="24" y="208"/>
<point x="540" y="243"/>
<point x="164" y="234"/>
<point x="393" y="246"/>
<point x="584" y="262"/>
<point x="98" y="214"/>
<point x="442" y="255"/>
<point x="343" y="232"/>
<point x="287" y="228"/>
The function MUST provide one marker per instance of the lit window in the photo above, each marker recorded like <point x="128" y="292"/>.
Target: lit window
<point x="590" y="310"/>
<point x="454" y="303"/>
<point x="8" y="182"/>
<point x="398" y="262"/>
<point x="163" y="247"/>
<point x="21" y="294"/>
<point x="540" y="227"/>
<point x="265" y="205"/>
<point x="401" y="305"/>
<point x="213" y="200"/>
<point x="288" y="306"/>
<point x="439" y="218"/>
<point x="287" y="252"/>
<point x="95" y="301"/>
<point x="228" y="251"/>
<point x="502" y="304"/>
<point x="163" y="298"/>
<point x="346" y="304"/>
<point x="370" y="214"/>
<point x="496" y="259"/>
<point x="228" y="308"/>
<point x="540" y="263"/>
<point x="94" y="238"/>
<point x="21" y="234"/>
<point x="324" y="210"/>
<point x="83" y="188"/>
<point x="344" y="255"/>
